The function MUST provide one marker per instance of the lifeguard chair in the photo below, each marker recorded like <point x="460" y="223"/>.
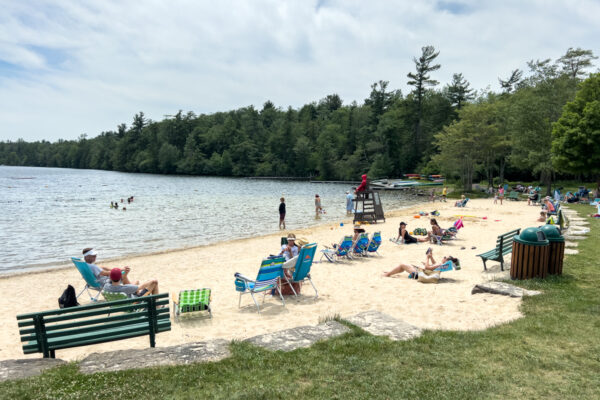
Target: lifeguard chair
<point x="368" y="207"/>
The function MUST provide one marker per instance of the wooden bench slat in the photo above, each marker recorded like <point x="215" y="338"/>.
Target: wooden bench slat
<point x="503" y="246"/>
<point x="50" y="330"/>
<point x="103" y="304"/>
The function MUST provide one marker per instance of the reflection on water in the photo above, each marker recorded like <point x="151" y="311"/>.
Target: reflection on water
<point x="50" y="214"/>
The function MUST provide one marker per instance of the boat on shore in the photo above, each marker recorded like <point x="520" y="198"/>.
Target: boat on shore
<point x="414" y="181"/>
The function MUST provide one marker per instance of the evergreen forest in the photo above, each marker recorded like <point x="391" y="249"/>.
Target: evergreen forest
<point x="542" y="123"/>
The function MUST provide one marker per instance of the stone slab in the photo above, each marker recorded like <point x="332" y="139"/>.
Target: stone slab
<point x="302" y="336"/>
<point x="577" y="219"/>
<point x="19" y="369"/>
<point x="571" y="244"/>
<point x="380" y="324"/>
<point x="577" y="232"/>
<point x="571" y="251"/>
<point x="504" y="289"/>
<point x="574" y="237"/>
<point x="213" y="350"/>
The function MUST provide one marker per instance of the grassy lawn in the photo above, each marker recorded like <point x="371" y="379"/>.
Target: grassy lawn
<point x="554" y="352"/>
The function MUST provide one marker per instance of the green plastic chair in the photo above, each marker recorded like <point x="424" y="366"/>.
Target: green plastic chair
<point x="192" y="300"/>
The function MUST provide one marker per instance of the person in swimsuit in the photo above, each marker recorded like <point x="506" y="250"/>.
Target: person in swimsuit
<point x="282" y="213"/>
<point x="405" y="237"/>
<point x="429" y="265"/>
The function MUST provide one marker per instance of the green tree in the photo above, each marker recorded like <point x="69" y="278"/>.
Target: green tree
<point x="421" y="80"/>
<point x="576" y="135"/>
<point x="575" y="61"/>
<point x="458" y="91"/>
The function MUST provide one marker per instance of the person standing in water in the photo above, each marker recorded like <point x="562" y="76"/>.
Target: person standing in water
<point x="282" y="213"/>
<point x="318" y="207"/>
<point x="349" y="205"/>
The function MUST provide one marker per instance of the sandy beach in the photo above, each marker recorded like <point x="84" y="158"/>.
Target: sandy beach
<point x="345" y="288"/>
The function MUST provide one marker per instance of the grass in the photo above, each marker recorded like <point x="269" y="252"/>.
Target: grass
<point x="551" y="353"/>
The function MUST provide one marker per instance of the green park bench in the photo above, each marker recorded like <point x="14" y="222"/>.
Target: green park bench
<point x="48" y="331"/>
<point x="503" y="247"/>
<point x="513" y="195"/>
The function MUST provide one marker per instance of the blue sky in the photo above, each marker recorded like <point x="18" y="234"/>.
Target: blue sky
<point x="74" y="67"/>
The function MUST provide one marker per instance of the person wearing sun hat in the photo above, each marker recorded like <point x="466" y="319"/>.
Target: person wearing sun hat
<point x="101" y="273"/>
<point x="116" y="285"/>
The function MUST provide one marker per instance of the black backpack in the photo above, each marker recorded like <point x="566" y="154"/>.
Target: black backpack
<point x="68" y="298"/>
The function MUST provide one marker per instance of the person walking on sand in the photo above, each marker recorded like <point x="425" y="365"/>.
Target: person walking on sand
<point x="444" y="193"/>
<point x="349" y="198"/>
<point x="500" y="193"/>
<point x="282" y="213"/>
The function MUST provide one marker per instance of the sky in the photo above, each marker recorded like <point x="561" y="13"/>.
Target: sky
<point x="71" y="67"/>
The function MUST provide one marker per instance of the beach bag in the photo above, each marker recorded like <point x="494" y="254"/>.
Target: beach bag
<point x="286" y="289"/>
<point x="68" y="298"/>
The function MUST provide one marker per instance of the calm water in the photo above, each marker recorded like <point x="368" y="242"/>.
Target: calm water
<point x="50" y="214"/>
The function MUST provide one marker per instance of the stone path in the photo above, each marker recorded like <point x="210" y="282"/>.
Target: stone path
<point x="571" y="251"/>
<point x="504" y="289"/>
<point x="380" y="324"/>
<point x="302" y="336"/>
<point x="213" y="350"/>
<point x="571" y="244"/>
<point x="574" y="237"/>
<point x="19" y="369"/>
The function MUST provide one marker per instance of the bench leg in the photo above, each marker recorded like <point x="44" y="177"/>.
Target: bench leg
<point x="484" y="267"/>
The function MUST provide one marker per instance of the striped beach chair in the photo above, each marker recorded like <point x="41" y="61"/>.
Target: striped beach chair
<point x="342" y="250"/>
<point x="192" y="300"/>
<point x="270" y="272"/>
<point x="360" y="247"/>
<point x="374" y="243"/>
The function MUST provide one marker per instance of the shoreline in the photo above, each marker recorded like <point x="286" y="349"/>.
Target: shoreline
<point x="345" y="288"/>
<point x="32" y="270"/>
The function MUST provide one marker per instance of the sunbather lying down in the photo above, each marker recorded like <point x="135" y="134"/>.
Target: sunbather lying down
<point x="430" y="264"/>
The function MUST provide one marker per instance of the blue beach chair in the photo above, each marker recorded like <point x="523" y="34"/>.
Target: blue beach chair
<point x="342" y="250"/>
<point x="360" y="247"/>
<point x="302" y="268"/>
<point x="270" y="272"/>
<point x="90" y="280"/>
<point x="374" y="243"/>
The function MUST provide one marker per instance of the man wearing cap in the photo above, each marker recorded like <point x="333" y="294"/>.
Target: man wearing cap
<point x="102" y="273"/>
<point x="116" y="285"/>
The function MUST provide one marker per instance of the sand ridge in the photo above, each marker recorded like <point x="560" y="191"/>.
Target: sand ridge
<point x="345" y="288"/>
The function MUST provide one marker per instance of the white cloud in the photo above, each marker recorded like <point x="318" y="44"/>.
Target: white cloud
<point x="68" y="68"/>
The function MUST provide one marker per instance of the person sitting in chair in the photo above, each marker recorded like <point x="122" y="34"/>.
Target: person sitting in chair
<point x="102" y="273"/>
<point x="116" y="285"/>
<point x="533" y="197"/>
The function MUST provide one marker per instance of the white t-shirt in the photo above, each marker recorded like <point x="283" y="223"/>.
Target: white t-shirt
<point x="286" y="253"/>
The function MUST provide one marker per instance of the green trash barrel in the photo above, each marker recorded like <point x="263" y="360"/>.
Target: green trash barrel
<point x="530" y="254"/>
<point x="557" y="249"/>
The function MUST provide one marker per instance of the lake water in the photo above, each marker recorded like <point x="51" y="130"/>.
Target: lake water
<point x="49" y="214"/>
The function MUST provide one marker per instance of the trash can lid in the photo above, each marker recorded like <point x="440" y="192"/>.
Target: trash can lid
<point x="532" y="237"/>
<point x="552" y="233"/>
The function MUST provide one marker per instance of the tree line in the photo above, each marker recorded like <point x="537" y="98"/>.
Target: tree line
<point x="453" y="130"/>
